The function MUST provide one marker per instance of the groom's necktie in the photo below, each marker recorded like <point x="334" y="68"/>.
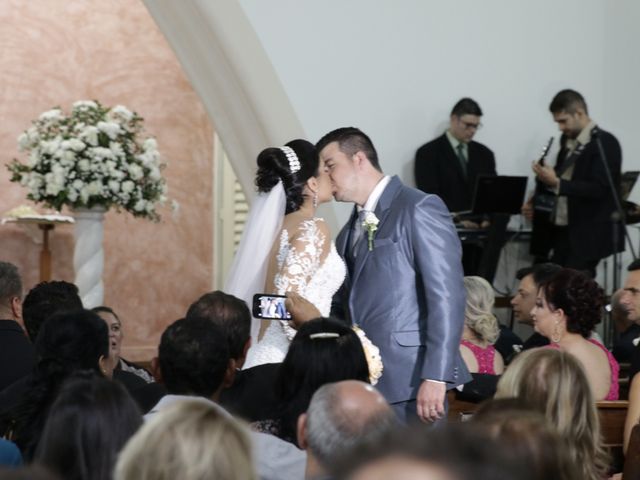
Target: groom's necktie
<point x="355" y="236"/>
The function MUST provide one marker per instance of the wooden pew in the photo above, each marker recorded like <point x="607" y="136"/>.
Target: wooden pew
<point x="612" y="416"/>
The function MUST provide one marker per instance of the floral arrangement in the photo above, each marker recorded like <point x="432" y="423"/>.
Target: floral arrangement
<point x="93" y="157"/>
<point x="372" y="353"/>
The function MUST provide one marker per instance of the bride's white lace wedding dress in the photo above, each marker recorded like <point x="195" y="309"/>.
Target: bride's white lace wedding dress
<point x="306" y="262"/>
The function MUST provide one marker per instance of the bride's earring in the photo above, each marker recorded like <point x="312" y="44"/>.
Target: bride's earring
<point x="315" y="199"/>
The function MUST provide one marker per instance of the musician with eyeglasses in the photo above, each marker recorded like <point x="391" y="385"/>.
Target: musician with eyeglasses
<point x="449" y="165"/>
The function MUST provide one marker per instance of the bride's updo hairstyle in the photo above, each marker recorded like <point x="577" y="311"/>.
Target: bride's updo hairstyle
<point x="294" y="170"/>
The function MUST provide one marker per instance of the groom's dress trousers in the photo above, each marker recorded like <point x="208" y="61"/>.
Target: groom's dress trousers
<point x="405" y="290"/>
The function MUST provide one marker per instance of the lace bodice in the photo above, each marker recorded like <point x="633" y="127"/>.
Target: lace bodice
<point x="306" y="263"/>
<point x="484" y="356"/>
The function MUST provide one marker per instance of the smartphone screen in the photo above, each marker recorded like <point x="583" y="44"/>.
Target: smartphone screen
<point x="270" y="307"/>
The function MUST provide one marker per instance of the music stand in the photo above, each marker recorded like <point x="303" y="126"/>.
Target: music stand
<point x="498" y="194"/>
<point x="499" y="197"/>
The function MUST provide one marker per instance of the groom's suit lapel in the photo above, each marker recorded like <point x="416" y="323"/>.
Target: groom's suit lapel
<point x="382" y="212"/>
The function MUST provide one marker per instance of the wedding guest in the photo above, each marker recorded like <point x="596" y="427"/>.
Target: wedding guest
<point x="88" y="424"/>
<point x="17" y="357"/>
<point x="456" y="451"/>
<point x="477" y="348"/>
<point x="568" y="307"/>
<point x="251" y="395"/>
<point x="116" y="336"/>
<point x="532" y="440"/>
<point x="68" y="342"/>
<point x="45" y="300"/>
<point x="323" y="351"/>
<point x="189" y="440"/>
<point x="480" y="329"/>
<point x="522" y="303"/>
<point x="554" y="383"/>
<point x="340" y="417"/>
<point x="194" y="361"/>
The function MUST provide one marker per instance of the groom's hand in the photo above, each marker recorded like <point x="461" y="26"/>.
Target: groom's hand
<point x="301" y="310"/>
<point x="430" y="401"/>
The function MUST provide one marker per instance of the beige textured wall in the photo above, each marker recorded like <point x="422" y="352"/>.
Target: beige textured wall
<point x="54" y="52"/>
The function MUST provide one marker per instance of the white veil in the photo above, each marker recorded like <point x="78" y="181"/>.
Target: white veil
<point x="249" y="268"/>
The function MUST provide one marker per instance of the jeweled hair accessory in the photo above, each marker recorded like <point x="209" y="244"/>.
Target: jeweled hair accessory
<point x="315" y="336"/>
<point x="294" y="163"/>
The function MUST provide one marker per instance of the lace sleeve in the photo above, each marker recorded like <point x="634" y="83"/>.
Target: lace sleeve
<point x="299" y="258"/>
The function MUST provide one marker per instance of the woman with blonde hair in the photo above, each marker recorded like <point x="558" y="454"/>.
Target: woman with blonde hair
<point x="480" y="329"/>
<point x="190" y="440"/>
<point x="554" y="383"/>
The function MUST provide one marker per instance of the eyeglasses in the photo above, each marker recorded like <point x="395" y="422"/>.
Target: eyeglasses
<point x="470" y="125"/>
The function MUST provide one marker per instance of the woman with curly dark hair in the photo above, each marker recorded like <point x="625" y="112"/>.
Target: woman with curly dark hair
<point x="566" y="311"/>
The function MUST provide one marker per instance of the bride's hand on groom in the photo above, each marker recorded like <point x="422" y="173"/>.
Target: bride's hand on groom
<point x="301" y="310"/>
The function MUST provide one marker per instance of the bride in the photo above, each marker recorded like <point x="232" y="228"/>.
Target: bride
<point x="285" y="247"/>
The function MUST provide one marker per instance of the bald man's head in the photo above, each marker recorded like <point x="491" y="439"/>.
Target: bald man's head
<point x="342" y="415"/>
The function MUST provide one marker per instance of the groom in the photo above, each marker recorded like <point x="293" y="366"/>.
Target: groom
<point x="404" y="284"/>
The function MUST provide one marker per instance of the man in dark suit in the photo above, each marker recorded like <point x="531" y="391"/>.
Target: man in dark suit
<point x="17" y="357"/>
<point x="404" y="282"/>
<point x="581" y="229"/>
<point x="449" y="165"/>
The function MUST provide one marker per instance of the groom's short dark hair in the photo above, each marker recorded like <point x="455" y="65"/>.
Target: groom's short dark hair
<point x="351" y="140"/>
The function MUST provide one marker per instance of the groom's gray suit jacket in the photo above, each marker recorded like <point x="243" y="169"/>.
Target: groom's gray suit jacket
<point x="407" y="293"/>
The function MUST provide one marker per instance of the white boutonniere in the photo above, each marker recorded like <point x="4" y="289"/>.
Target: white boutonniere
<point x="370" y="224"/>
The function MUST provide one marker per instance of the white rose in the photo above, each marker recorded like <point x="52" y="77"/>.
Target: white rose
<point x="116" y="149"/>
<point x="53" y="188"/>
<point x="58" y="170"/>
<point x="77" y="184"/>
<point x="23" y="142"/>
<point x="34" y="158"/>
<point x="94" y="188"/>
<point x="51" y="115"/>
<point x="76" y="145"/>
<point x="100" y="153"/>
<point x="84" y="194"/>
<point x="114" y="186"/>
<point x="72" y="195"/>
<point x="370" y="219"/>
<point x="68" y="158"/>
<point x="154" y="174"/>
<point x="122" y="112"/>
<point x="33" y="134"/>
<point x="145" y="159"/>
<point x="111" y="129"/>
<point x="51" y="146"/>
<point x="84" y="105"/>
<point x="90" y="135"/>
<point x="128" y="186"/>
<point x="84" y="165"/>
<point x="150" y="144"/>
<point x="34" y="182"/>
<point x="135" y="171"/>
<point x="140" y="206"/>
